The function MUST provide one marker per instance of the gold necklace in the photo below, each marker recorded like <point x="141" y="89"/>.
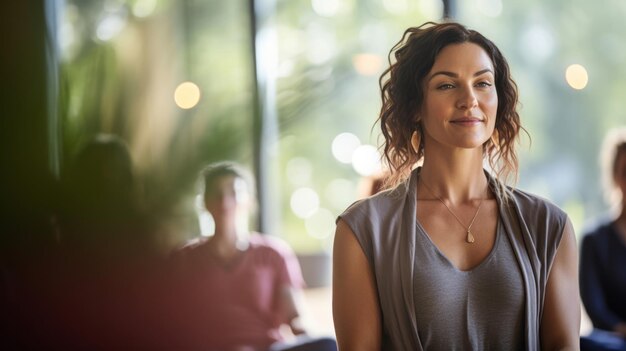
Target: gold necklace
<point x="470" y="236"/>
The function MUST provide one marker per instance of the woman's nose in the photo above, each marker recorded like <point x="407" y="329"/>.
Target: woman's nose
<point x="467" y="100"/>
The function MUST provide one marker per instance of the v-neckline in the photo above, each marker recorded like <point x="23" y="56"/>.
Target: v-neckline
<point x="483" y="262"/>
<point x="423" y="231"/>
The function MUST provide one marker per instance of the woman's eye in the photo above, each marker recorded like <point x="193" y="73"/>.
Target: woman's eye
<point x="445" y="86"/>
<point x="484" y="84"/>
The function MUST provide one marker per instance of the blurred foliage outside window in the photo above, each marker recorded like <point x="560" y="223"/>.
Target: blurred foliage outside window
<point x="123" y="61"/>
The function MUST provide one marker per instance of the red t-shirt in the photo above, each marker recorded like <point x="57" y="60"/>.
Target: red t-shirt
<point x="236" y="304"/>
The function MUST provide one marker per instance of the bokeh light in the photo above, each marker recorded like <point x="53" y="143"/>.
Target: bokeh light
<point x="366" y="160"/>
<point x="144" y="8"/>
<point x="110" y="26"/>
<point x="187" y="95"/>
<point x="304" y="202"/>
<point x="343" y="147"/>
<point x="320" y="224"/>
<point x="367" y="64"/>
<point x="576" y="76"/>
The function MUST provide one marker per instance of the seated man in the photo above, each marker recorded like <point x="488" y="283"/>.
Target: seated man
<point x="241" y="287"/>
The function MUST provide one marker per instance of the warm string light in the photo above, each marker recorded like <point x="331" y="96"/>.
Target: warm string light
<point x="576" y="76"/>
<point x="187" y="95"/>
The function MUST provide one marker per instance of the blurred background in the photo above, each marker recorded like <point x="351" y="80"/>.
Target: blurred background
<point x="181" y="82"/>
<point x="288" y="88"/>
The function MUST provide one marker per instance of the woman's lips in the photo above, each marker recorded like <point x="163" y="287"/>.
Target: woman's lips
<point x="467" y="121"/>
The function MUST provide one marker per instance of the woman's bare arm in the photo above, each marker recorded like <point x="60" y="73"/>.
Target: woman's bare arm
<point x="356" y="310"/>
<point x="560" y="325"/>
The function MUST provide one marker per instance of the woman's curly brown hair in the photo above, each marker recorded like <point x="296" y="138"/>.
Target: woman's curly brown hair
<point x="402" y="93"/>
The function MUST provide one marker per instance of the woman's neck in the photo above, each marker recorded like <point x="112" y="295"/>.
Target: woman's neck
<point x="458" y="177"/>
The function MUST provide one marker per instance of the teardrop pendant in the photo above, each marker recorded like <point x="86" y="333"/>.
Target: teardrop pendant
<point x="470" y="237"/>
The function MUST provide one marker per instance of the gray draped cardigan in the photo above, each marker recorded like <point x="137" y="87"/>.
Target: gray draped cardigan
<point x="385" y="227"/>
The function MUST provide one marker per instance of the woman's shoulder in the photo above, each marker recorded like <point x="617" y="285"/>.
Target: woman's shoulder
<point x="529" y="204"/>
<point x="541" y="222"/>
<point x="375" y="219"/>
<point x="540" y="218"/>
<point x="378" y="203"/>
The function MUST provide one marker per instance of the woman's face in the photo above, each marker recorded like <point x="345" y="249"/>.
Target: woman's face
<point x="460" y="98"/>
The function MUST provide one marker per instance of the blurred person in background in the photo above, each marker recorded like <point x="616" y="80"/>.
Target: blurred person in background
<point x="95" y="292"/>
<point x="603" y="255"/>
<point x="241" y="288"/>
<point x="101" y="214"/>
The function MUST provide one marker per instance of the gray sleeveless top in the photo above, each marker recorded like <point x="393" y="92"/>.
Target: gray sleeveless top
<point x="385" y="226"/>
<point x="478" y="309"/>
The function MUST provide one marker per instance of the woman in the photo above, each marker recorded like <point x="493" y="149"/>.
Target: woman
<point x="451" y="258"/>
<point x="242" y="287"/>
<point x="603" y="256"/>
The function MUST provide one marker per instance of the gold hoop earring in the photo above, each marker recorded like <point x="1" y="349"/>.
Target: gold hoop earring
<point x="415" y="143"/>
<point x="494" y="139"/>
